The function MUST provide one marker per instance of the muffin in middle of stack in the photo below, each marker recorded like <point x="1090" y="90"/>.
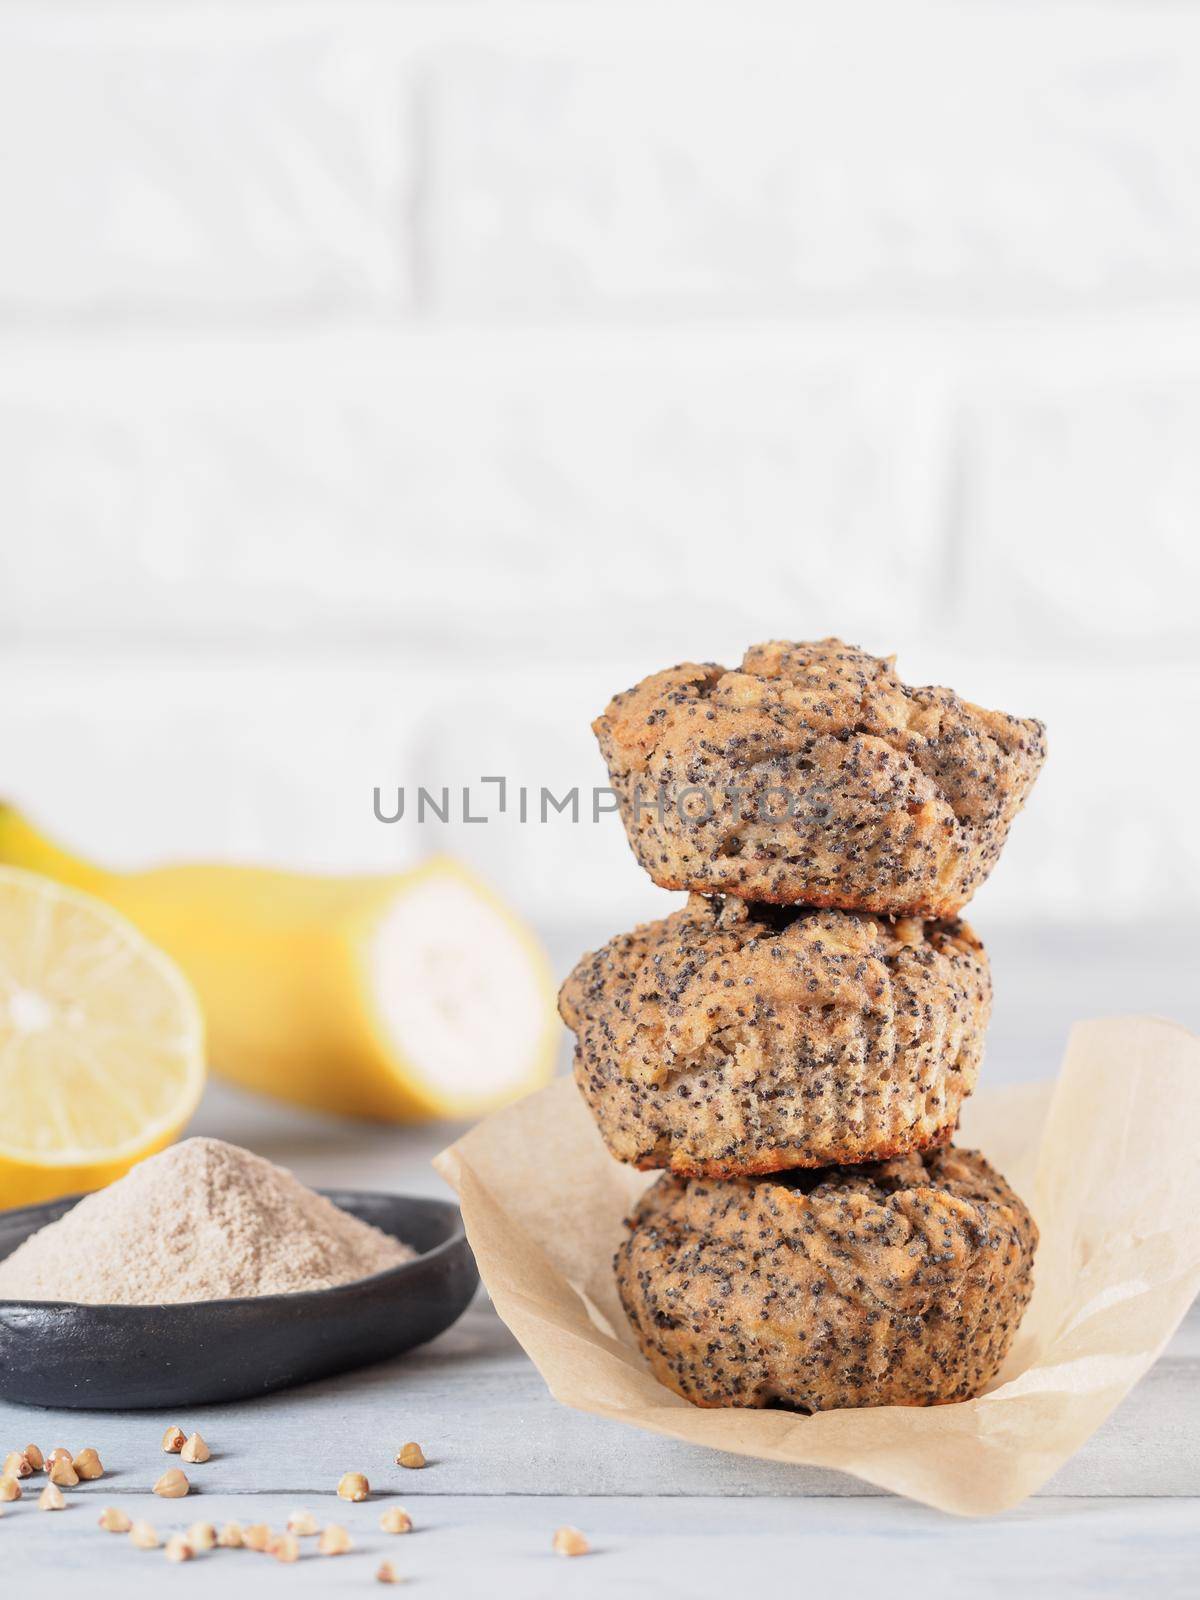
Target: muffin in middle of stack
<point x="796" y="1049"/>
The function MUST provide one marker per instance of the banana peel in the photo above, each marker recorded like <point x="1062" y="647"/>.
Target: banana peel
<point x="399" y="997"/>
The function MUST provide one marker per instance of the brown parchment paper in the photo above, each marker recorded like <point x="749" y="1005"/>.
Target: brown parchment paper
<point x="1107" y="1158"/>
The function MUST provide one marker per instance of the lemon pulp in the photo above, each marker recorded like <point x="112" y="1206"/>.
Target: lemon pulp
<point x="101" y="1042"/>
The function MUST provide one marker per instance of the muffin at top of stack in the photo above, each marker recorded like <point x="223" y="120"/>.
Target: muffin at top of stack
<point x="730" y="1038"/>
<point x="812" y="775"/>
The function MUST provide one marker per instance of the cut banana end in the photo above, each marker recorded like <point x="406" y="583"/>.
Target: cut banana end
<point x="462" y="996"/>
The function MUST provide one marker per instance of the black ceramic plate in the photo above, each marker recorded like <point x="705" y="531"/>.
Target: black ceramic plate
<point x="116" y="1358"/>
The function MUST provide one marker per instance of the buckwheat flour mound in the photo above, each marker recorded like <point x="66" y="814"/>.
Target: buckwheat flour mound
<point x="203" y="1220"/>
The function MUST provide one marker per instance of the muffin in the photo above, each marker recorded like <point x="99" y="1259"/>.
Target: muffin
<point x="899" y="1284"/>
<point x="812" y="775"/>
<point x="732" y="1038"/>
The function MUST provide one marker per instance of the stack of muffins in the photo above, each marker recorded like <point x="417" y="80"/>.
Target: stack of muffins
<point x="793" y="1047"/>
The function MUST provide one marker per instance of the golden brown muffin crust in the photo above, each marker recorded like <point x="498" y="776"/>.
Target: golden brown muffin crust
<point x="812" y="775"/>
<point x="896" y="1284"/>
<point x="733" y="1038"/>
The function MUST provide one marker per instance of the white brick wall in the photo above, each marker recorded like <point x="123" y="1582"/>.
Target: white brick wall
<point x="164" y="161"/>
<point x="1084" y="517"/>
<point x="382" y="386"/>
<point x="946" y="154"/>
<point x="536" y="497"/>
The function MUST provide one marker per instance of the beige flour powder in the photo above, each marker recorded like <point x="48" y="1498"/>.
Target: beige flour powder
<point x="202" y="1220"/>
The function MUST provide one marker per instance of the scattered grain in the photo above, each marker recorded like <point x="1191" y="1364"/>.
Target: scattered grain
<point x="284" y="1547"/>
<point x="570" y="1542"/>
<point x="335" y="1541"/>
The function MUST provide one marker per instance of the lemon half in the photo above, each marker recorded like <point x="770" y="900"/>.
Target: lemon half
<point x="101" y="1042"/>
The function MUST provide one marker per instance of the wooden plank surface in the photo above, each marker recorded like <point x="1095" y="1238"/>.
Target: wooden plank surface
<point x="641" y="1546"/>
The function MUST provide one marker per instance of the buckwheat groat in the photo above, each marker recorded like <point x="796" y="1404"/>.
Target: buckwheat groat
<point x="896" y="1284"/>
<point x="812" y="775"/>
<point x="734" y="1038"/>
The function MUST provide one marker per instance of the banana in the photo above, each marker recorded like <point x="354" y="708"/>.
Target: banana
<point x="398" y="997"/>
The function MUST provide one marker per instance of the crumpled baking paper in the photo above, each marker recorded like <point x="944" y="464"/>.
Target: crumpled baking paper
<point x="1107" y="1160"/>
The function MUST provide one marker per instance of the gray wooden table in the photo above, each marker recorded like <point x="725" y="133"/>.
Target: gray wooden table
<point x="508" y="1465"/>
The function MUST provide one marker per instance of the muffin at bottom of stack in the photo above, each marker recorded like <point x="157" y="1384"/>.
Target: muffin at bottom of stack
<point x="730" y="1038"/>
<point x="899" y="1283"/>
